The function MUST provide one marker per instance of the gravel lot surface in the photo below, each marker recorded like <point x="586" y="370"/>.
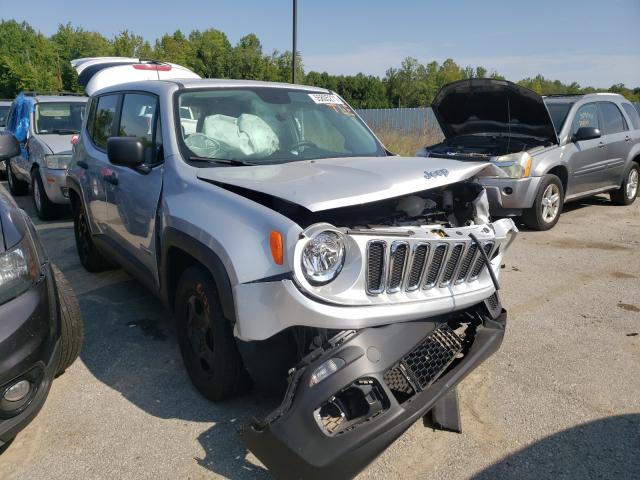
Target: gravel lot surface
<point x="560" y="400"/>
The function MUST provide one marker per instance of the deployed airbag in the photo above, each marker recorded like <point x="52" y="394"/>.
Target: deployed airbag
<point x="247" y="135"/>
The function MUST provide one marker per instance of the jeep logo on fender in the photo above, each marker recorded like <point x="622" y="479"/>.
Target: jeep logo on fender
<point x="436" y="173"/>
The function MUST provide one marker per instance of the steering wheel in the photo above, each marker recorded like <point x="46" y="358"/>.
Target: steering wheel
<point x="303" y="143"/>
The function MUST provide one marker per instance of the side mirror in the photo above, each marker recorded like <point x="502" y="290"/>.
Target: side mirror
<point x="9" y="147"/>
<point x="126" y="151"/>
<point x="586" y="133"/>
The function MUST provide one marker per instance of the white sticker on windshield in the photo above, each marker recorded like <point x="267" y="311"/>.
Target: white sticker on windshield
<point x="326" y="98"/>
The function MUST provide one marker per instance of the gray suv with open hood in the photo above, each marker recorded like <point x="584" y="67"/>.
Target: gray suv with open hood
<point x="296" y="253"/>
<point x="549" y="150"/>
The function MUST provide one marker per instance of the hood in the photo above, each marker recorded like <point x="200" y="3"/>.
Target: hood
<point x="340" y="182"/>
<point x="483" y="105"/>
<point x="59" y="144"/>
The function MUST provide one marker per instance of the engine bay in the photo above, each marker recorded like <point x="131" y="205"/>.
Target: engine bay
<point x="482" y="147"/>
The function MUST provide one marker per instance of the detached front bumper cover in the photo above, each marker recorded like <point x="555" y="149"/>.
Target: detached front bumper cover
<point x="391" y="376"/>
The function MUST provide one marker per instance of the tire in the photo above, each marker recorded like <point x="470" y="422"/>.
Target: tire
<point x="550" y="195"/>
<point x="91" y="258"/>
<point x="45" y="208"/>
<point x="72" y="326"/>
<point x="628" y="191"/>
<point x="205" y="337"/>
<point x="16" y="187"/>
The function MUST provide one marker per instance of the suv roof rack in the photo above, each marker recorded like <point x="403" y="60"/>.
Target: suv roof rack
<point x="565" y="95"/>
<point x="62" y="94"/>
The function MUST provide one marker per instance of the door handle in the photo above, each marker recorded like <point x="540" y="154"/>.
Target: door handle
<point x="111" y="178"/>
<point x="600" y="144"/>
<point x="627" y="138"/>
<point x="82" y="164"/>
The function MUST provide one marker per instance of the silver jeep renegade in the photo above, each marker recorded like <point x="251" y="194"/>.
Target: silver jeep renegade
<point x="297" y="253"/>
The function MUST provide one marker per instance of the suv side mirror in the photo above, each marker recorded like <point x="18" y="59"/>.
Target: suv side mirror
<point x="586" y="133"/>
<point x="126" y="151"/>
<point x="9" y="147"/>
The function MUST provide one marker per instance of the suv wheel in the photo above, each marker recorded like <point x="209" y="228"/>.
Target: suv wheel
<point x="546" y="209"/>
<point x="627" y="193"/>
<point x="91" y="258"/>
<point x="16" y="187"/>
<point x="45" y="208"/>
<point x="206" y="340"/>
<point x="72" y="326"/>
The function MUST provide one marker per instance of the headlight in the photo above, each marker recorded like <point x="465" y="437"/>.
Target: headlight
<point x="515" y="165"/>
<point x="57" y="162"/>
<point x="323" y="257"/>
<point x="18" y="269"/>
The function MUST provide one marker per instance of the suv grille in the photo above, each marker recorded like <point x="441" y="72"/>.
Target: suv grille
<point x="427" y="265"/>
<point x="422" y="366"/>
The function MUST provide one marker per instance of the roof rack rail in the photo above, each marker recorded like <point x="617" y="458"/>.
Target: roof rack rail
<point x="565" y="95"/>
<point x="62" y="94"/>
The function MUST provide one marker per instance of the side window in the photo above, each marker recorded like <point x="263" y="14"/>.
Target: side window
<point x="633" y="115"/>
<point x="138" y="120"/>
<point x="91" y="116"/>
<point x="103" y="123"/>
<point x="612" y="117"/>
<point x="586" y="116"/>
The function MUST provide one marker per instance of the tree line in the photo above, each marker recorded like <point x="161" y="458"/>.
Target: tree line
<point x="32" y="61"/>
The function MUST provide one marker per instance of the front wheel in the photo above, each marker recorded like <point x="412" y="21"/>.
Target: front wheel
<point x="628" y="191"/>
<point x="72" y="326"/>
<point x="91" y="258"/>
<point x="206" y="340"/>
<point x="547" y="206"/>
<point x="45" y="208"/>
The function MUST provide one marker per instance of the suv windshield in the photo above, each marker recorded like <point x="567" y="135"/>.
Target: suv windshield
<point x="558" y="111"/>
<point x="63" y="118"/>
<point x="4" y="113"/>
<point x="271" y="125"/>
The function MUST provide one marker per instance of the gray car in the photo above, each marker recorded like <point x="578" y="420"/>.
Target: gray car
<point x="296" y="253"/>
<point x="550" y="150"/>
<point x="44" y="125"/>
<point x="5" y="105"/>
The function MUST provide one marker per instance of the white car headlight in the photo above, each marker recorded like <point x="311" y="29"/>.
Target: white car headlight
<point x="323" y="257"/>
<point x="515" y="165"/>
<point x="57" y="162"/>
<point x="18" y="269"/>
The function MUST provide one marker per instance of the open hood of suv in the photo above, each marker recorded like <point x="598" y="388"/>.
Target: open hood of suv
<point x="339" y="182"/>
<point x="487" y="106"/>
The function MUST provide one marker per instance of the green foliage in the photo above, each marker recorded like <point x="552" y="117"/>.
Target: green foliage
<point x="31" y="61"/>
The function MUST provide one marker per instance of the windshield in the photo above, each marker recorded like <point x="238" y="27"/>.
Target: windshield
<point x="558" y="112"/>
<point x="63" y="118"/>
<point x="4" y="112"/>
<point x="271" y="125"/>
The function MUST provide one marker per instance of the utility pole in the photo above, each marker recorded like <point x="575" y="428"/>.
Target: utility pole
<point x="295" y="41"/>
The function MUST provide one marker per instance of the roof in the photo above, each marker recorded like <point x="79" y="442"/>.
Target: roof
<point x="572" y="97"/>
<point x="195" y="83"/>
<point x="50" y="98"/>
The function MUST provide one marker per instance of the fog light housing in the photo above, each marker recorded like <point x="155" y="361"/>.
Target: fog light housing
<point x="325" y="370"/>
<point x="18" y="391"/>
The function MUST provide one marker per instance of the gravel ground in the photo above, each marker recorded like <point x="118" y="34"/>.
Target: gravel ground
<point x="561" y="399"/>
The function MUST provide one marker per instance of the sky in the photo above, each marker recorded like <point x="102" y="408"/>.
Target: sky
<point x="592" y="42"/>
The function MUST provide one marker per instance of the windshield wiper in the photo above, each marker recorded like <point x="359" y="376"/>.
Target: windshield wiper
<point x="64" y="131"/>
<point x="228" y="161"/>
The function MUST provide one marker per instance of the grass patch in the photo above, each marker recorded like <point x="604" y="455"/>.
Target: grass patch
<point x="408" y="143"/>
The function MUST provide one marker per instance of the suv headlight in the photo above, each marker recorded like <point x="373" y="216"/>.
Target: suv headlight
<point x="18" y="269"/>
<point x="323" y="257"/>
<point x="515" y="165"/>
<point x="57" y="162"/>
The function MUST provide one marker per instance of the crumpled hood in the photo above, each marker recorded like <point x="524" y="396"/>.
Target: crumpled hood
<point x="58" y="144"/>
<point x="339" y="182"/>
<point x="483" y="105"/>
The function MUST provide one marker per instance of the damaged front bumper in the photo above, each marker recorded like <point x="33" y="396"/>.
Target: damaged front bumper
<point x="383" y="380"/>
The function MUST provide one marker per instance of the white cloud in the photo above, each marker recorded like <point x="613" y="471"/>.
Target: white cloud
<point x="586" y="68"/>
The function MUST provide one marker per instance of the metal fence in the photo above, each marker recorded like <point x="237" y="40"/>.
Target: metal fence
<point x="406" y="120"/>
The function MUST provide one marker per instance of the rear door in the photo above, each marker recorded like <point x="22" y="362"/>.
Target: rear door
<point x="617" y="143"/>
<point x="589" y="161"/>
<point x="133" y="194"/>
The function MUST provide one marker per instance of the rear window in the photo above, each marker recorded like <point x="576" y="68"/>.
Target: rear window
<point x="633" y="115"/>
<point x="612" y="118"/>
<point x="103" y="121"/>
<point x="558" y="112"/>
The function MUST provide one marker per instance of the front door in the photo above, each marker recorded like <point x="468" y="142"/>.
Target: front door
<point x="133" y="194"/>
<point x="588" y="161"/>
